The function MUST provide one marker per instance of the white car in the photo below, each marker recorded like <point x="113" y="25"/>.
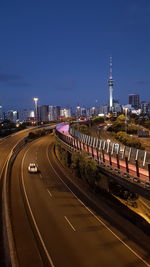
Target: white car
<point x="32" y="168"/>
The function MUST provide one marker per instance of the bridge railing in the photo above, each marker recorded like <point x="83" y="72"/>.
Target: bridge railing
<point x="108" y="165"/>
<point x="131" y="153"/>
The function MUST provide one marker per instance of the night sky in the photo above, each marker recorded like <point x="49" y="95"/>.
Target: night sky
<point x="59" y="51"/>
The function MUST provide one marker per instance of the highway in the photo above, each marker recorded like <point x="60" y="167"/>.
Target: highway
<point x="6" y="144"/>
<point x="53" y="227"/>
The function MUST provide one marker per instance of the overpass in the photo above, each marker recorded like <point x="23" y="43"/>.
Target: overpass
<point x="115" y="165"/>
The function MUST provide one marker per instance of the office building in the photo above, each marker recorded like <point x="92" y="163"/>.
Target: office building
<point x="43" y="113"/>
<point x="78" y="111"/>
<point x="54" y="113"/>
<point x="65" y="112"/>
<point x="25" y="115"/>
<point x="134" y="100"/>
<point x="1" y="114"/>
<point x="145" y="107"/>
<point x="11" y="115"/>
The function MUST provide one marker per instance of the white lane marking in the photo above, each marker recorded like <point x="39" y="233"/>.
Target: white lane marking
<point x="49" y="193"/>
<point x="33" y="218"/>
<point x="145" y="204"/>
<point x="8" y="157"/>
<point x="3" y="167"/>
<point x="40" y="175"/>
<point x="135" y="253"/>
<point x="2" y="141"/>
<point x="70" y="224"/>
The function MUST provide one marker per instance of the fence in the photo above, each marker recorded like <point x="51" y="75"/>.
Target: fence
<point x="123" y="152"/>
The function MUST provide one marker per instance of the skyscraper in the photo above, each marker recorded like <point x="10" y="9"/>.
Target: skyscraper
<point x="145" y="107"/>
<point x="54" y="113"/>
<point x="25" y="115"/>
<point x="1" y="114"/>
<point x="12" y="115"/>
<point x="65" y="112"/>
<point x="134" y="100"/>
<point x="43" y="112"/>
<point x="110" y="83"/>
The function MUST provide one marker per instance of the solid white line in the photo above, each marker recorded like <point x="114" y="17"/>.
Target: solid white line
<point x="33" y="218"/>
<point x="49" y="193"/>
<point x="8" y="157"/>
<point x="9" y="231"/>
<point x="3" y="167"/>
<point x="137" y="255"/>
<point x="70" y="223"/>
<point x="1" y="142"/>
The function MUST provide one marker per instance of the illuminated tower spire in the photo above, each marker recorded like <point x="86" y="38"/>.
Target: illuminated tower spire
<point x="110" y="83"/>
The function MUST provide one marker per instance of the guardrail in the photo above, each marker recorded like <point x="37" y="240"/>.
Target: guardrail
<point x="10" y="251"/>
<point x="131" y="153"/>
<point x="137" y="157"/>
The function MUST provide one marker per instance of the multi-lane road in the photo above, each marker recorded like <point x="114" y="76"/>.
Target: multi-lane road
<point x="53" y="227"/>
<point x="6" y="145"/>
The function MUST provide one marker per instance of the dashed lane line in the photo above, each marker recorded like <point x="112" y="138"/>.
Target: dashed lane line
<point x="70" y="223"/>
<point x="135" y="253"/>
<point x="32" y="216"/>
<point x="49" y="193"/>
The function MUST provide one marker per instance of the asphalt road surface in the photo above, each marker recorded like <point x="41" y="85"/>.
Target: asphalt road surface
<point x="6" y="144"/>
<point x="52" y="227"/>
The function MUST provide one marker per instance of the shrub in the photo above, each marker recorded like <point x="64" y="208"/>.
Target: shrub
<point x="85" y="167"/>
<point x="147" y="124"/>
<point x="31" y="135"/>
<point x="116" y="127"/>
<point x="37" y="133"/>
<point x="128" y="140"/>
<point x="98" y="120"/>
<point x="132" y="129"/>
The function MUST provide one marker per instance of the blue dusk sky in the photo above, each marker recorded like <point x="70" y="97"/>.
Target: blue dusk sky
<point x="59" y="51"/>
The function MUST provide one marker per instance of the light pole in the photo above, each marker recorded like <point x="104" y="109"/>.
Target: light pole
<point x="35" y="99"/>
<point x="93" y="111"/>
<point x="126" y="118"/>
<point x="78" y="115"/>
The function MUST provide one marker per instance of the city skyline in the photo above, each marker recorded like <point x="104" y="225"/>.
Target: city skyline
<point x="73" y="107"/>
<point x="60" y="52"/>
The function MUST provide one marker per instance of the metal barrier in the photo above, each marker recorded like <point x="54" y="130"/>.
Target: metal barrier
<point x="11" y="256"/>
<point x="133" y="154"/>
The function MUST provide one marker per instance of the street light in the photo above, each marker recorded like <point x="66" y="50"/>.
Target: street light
<point x="35" y="99"/>
<point x="126" y="118"/>
<point x="78" y="109"/>
<point x="93" y="110"/>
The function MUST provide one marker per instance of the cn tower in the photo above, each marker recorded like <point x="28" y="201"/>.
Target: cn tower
<point x="110" y="83"/>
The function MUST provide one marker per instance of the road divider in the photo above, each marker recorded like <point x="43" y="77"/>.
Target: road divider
<point x="9" y="245"/>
